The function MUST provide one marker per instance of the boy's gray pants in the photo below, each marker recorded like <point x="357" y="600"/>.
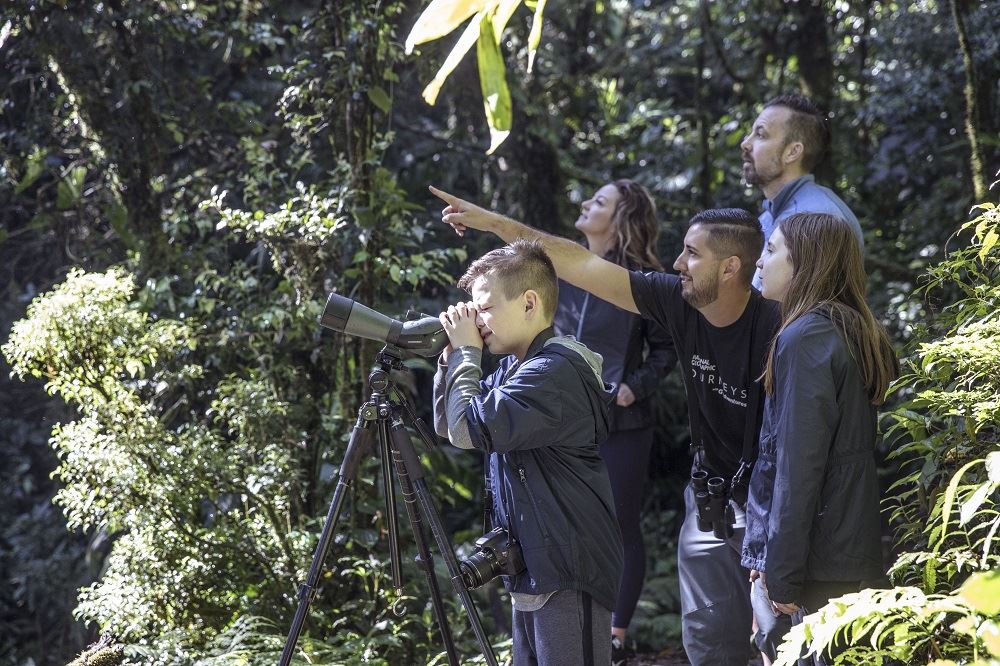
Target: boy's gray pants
<point x="716" y="617"/>
<point x="571" y="629"/>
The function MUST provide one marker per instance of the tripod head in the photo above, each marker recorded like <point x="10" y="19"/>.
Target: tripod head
<point x="419" y="334"/>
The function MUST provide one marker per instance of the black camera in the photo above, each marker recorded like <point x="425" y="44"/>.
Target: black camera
<point x="711" y="496"/>
<point x="496" y="555"/>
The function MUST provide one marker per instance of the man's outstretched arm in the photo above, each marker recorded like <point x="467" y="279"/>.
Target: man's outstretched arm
<point x="573" y="262"/>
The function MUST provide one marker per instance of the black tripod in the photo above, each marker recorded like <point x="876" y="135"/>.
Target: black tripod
<point x="385" y="416"/>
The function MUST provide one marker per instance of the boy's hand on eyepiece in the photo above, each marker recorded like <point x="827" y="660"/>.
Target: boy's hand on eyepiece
<point x="459" y="322"/>
<point x="461" y="214"/>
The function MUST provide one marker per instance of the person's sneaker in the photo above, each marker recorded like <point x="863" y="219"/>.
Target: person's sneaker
<point x="618" y="655"/>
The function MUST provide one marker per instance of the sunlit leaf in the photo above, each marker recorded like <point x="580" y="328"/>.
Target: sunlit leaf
<point x="989" y="241"/>
<point x="982" y="592"/>
<point x="501" y="16"/>
<point x="469" y="36"/>
<point x="535" y="37"/>
<point x="949" y="498"/>
<point x="441" y="17"/>
<point x="458" y="52"/>
<point x="493" y="82"/>
<point x="971" y="506"/>
<point x="993" y="466"/>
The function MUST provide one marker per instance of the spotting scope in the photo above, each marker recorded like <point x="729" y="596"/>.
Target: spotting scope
<point x="422" y="334"/>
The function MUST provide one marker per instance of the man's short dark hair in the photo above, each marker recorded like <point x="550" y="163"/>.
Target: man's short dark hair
<point x="807" y="124"/>
<point x="518" y="267"/>
<point x="733" y="232"/>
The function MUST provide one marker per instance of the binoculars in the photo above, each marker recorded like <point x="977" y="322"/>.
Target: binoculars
<point x="711" y="496"/>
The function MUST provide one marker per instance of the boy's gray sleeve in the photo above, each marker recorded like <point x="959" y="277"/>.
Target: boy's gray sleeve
<point x="455" y="384"/>
<point x="440" y="398"/>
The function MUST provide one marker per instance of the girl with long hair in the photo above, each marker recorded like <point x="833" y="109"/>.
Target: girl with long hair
<point x="813" y="530"/>
<point x="619" y="223"/>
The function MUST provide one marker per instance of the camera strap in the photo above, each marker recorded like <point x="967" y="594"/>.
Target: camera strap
<point x="747" y="454"/>
<point x="487" y="494"/>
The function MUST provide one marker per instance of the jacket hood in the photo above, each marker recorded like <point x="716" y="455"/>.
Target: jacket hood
<point x="589" y="364"/>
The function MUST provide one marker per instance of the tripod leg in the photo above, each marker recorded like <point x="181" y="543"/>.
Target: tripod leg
<point x="402" y="444"/>
<point x="391" y="518"/>
<point x="358" y="448"/>
<point x="424" y="557"/>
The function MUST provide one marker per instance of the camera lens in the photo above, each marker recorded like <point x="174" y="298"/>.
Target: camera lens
<point x="479" y="568"/>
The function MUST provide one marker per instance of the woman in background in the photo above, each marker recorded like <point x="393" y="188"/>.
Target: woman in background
<point x="813" y="530"/>
<point x="619" y="223"/>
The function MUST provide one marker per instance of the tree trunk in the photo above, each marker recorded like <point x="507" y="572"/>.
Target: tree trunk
<point x="130" y="136"/>
<point x="971" y="92"/>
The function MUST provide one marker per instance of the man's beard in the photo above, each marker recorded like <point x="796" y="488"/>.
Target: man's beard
<point x="760" y="178"/>
<point x="699" y="297"/>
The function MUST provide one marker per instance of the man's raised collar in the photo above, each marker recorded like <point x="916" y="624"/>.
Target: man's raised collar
<point x="774" y="206"/>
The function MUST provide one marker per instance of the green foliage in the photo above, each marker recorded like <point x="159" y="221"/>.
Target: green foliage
<point x="211" y="416"/>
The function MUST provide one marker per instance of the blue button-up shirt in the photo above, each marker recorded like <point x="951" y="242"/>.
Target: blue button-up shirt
<point x="803" y="195"/>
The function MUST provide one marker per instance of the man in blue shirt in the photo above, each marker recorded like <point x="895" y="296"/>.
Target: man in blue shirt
<point x="788" y="139"/>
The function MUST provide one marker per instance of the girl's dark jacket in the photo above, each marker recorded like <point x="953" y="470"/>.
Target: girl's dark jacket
<point x="635" y="351"/>
<point x="813" y="508"/>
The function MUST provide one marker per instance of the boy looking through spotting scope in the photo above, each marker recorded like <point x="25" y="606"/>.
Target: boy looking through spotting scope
<point x="539" y="417"/>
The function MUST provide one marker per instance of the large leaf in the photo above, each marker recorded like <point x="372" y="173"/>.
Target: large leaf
<point x="441" y="17"/>
<point x="500" y="19"/>
<point x="982" y="592"/>
<point x="493" y="82"/>
<point x="949" y="499"/>
<point x="501" y="16"/>
<point x="535" y="37"/>
<point x="465" y="43"/>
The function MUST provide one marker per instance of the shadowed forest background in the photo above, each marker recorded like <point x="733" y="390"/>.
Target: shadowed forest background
<point x="183" y="183"/>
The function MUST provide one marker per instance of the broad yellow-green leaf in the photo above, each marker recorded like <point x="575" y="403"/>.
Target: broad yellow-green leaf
<point x="949" y="499"/>
<point x="465" y="43"/>
<point x="993" y="466"/>
<point x="972" y="505"/>
<point x="441" y="17"/>
<point x="982" y="592"/>
<point x="500" y="19"/>
<point x="504" y="10"/>
<point x="989" y="240"/>
<point x="990" y="633"/>
<point x="535" y="36"/>
<point x="988" y="541"/>
<point x="493" y="82"/>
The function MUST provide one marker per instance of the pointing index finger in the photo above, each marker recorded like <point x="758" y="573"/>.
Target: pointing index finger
<point x="450" y="199"/>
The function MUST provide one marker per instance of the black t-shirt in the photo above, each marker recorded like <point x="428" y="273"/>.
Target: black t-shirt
<point x="714" y="362"/>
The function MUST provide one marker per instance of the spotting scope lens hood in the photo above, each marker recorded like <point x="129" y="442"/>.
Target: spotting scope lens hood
<point x="423" y="336"/>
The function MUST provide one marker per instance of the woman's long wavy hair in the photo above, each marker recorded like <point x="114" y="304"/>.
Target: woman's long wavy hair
<point x="828" y="275"/>
<point x="635" y="227"/>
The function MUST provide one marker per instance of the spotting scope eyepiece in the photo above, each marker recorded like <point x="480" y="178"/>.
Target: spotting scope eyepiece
<point x="424" y="336"/>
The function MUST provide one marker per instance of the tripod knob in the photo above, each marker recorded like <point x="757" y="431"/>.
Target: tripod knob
<point x="378" y="380"/>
